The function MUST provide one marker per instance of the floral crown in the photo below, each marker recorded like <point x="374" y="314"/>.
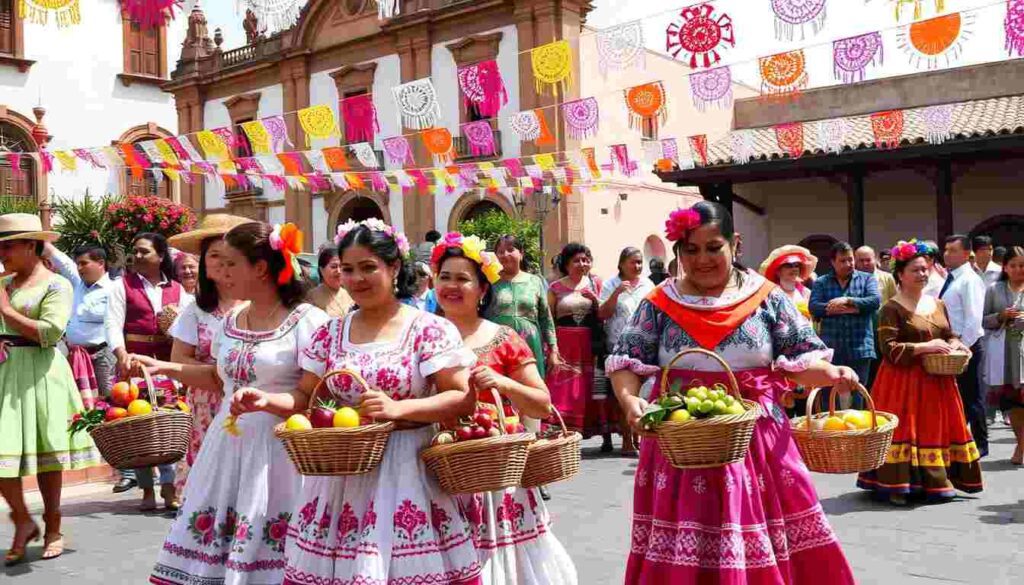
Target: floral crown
<point x="904" y="251"/>
<point x="680" y="222"/>
<point x="287" y="239"/>
<point x="376" y="225"/>
<point x="473" y="248"/>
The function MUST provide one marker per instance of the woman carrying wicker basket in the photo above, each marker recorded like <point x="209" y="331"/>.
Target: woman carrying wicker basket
<point x="392" y="524"/>
<point x="757" y="520"/>
<point x="201" y="321"/>
<point x="511" y="527"/>
<point x="932" y="452"/>
<point x="234" y="521"/>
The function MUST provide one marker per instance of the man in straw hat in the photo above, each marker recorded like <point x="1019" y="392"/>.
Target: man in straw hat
<point x="37" y="389"/>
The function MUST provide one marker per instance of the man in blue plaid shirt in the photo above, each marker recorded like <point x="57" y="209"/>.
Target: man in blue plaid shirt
<point x="845" y="300"/>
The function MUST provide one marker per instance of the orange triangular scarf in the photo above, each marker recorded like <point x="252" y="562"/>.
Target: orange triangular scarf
<point x="709" y="328"/>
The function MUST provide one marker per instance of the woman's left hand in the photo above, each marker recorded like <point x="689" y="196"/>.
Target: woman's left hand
<point x="380" y="406"/>
<point x="844" y="380"/>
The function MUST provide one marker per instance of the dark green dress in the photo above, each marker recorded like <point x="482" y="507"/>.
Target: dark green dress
<point x="522" y="304"/>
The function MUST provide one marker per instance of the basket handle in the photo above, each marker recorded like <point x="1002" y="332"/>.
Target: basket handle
<point x="334" y="374"/>
<point x="734" y="385"/>
<point x="832" y="406"/>
<point x="150" y="389"/>
<point x="561" y="421"/>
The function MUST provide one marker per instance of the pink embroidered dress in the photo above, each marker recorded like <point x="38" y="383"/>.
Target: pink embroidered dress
<point x="233" y="523"/>
<point x="393" y="525"/>
<point x="512" y="527"/>
<point x="197" y="328"/>
<point x="753" y="522"/>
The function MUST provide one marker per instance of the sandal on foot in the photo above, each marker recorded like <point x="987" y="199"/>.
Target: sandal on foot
<point x="16" y="554"/>
<point x="170" y="497"/>
<point x="53" y="546"/>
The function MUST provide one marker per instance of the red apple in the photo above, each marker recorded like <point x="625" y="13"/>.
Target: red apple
<point x="484" y="420"/>
<point x="322" y="417"/>
<point x="115" y="413"/>
<point x="479" y="432"/>
<point x="464" y="433"/>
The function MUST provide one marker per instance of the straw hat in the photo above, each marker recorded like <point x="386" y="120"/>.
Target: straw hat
<point x="789" y="255"/>
<point x="24" y="226"/>
<point x="212" y="226"/>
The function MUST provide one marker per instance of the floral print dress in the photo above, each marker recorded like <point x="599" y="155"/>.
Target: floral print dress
<point x="234" y="520"/>
<point x="393" y="525"/>
<point x="512" y="527"/>
<point x="197" y="328"/>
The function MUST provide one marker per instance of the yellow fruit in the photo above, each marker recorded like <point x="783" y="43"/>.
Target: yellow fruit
<point x="681" y="415"/>
<point x="834" y="423"/>
<point x="183" y="407"/>
<point x="881" y="420"/>
<point x="858" y="419"/>
<point x="346" y="417"/>
<point x="298" y="422"/>
<point x="139" y="408"/>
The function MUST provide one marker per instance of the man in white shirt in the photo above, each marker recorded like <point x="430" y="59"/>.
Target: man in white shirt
<point x="988" y="270"/>
<point x="964" y="296"/>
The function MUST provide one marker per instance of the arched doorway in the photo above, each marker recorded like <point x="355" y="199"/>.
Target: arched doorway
<point x="1005" y="230"/>
<point x="149" y="184"/>
<point x="471" y="206"/>
<point x="17" y="183"/>
<point x="821" y="246"/>
<point x="359" y="209"/>
<point x="654" y="248"/>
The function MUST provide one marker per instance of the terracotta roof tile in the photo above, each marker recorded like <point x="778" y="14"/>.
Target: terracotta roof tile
<point x="1002" y="115"/>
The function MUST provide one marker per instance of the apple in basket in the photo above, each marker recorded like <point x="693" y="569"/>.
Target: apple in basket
<point x="322" y="416"/>
<point x="123" y="393"/>
<point x="115" y="413"/>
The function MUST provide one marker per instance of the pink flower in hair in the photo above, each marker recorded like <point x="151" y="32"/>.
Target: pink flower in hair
<point x="680" y="222"/>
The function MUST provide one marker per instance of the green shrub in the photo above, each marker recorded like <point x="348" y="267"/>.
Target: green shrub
<point x="85" y="222"/>
<point x="18" y="205"/>
<point x="493" y="224"/>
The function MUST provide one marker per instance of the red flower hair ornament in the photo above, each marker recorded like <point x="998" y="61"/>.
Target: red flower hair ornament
<point x="680" y="222"/>
<point x="287" y="239"/>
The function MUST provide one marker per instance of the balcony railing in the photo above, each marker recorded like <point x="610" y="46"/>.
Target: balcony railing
<point x="249" y="53"/>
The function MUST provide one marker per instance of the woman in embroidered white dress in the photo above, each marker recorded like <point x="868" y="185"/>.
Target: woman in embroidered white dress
<point x="234" y="520"/>
<point x="394" y="524"/>
<point x="757" y="521"/>
<point x="511" y="527"/>
<point x="194" y="329"/>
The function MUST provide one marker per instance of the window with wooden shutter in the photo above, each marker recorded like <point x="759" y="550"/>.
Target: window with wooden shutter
<point x="7" y="27"/>
<point x="144" y="49"/>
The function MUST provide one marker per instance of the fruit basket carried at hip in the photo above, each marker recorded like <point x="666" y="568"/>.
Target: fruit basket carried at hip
<point x="702" y="427"/>
<point x="849" y="441"/>
<point x="552" y="458"/>
<point x="140" y="435"/>
<point x="341" y="446"/>
<point x="948" y="364"/>
<point x="486" y="462"/>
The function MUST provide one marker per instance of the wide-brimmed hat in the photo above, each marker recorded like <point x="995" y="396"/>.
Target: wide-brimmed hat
<point x="211" y="226"/>
<point x="24" y="226"/>
<point x="789" y="255"/>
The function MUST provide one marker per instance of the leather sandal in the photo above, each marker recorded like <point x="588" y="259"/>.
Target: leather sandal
<point x="16" y="554"/>
<point x="170" y="497"/>
<point x="53" y="540"/>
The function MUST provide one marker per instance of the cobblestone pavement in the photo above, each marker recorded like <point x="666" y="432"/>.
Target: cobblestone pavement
<point x="975" y="539"/>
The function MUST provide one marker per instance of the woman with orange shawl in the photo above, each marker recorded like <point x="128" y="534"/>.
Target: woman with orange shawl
<point x="756" y="521"/>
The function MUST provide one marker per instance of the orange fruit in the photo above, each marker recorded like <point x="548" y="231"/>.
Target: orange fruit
<point x="139" y="408"/>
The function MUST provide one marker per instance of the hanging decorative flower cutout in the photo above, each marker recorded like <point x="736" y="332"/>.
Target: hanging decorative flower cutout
<point x="852" y="56"/>
<point x="783" y="74"/>
<point x="621" y="47"/>
<point x="1013" y="25"/>
<point x="581" y="118"/>
<point x="937" y="41"/>
<point x="711" y="87"/>
<point x="700" y="35"/>
<point x="150" y="13"/>
<point x="793" y="14"/>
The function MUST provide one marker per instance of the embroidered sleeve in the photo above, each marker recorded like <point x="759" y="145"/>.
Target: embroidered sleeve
<point x="514" y="352"/>
<point x="795" y="346"/>
<point x="899" y="353"/>
<point x="55" y="311"/>
<point x="313" y="354"/>
<point x="439" y="347"/>
<point x="637" y="347"/>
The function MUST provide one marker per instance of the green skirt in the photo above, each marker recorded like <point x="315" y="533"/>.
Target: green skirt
<point x="530" y="333"/>
<point x="38" y="397"/>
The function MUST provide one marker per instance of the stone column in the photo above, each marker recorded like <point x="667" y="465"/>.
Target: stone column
<point x="298" y="205"/>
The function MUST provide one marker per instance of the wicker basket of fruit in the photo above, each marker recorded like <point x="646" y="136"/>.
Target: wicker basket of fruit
<point x="948" y="364"/>
<point x="130" y="432"/>
<point x="480" y="456"/>
<point x="703" y="427"/>
<point x="330" y="441"/>
<point x="552" y="458"/>
<point x="848" y="441"/>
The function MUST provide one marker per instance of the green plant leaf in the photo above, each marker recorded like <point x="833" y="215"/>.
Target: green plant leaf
<point x="493" y="224"/>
